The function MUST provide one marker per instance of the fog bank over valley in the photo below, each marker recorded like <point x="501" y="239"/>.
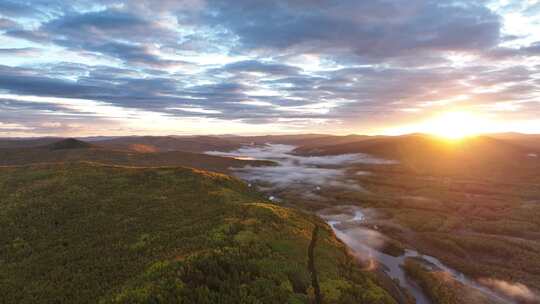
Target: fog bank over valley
<point x="319" y="181"/>
<point x="311" y="173"/>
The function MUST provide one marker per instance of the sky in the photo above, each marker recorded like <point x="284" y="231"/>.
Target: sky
<point x="144" y="67"/>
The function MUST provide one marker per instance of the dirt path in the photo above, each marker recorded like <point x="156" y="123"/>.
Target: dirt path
<point x="311" y="265"/>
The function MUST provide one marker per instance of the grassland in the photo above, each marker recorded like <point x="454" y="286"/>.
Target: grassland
<point x="93" y="233"/>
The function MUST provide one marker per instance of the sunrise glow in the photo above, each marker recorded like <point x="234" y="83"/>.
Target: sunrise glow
<point x="456" y="125"/>
<point x="196" y="67"/>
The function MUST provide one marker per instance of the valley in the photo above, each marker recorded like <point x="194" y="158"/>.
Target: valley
<point x="418" y="220"/>
<point x="468" y="219"/>
<point x="86" y="232"/>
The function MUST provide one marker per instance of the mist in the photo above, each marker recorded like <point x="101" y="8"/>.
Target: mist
<point x="312" y="173"/>
<point x="516" y="291"/>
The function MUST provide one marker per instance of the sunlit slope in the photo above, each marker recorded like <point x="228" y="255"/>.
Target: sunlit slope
<point x="89" y="233"/>
<point x="530" y="141"/>
<point x="433" y="155"/>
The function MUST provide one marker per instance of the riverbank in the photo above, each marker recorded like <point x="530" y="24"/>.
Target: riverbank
<point x="320" y="183"/>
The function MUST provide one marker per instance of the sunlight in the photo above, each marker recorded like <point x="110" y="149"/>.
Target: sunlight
<point x="452" y="125"/>
<point x="455" y="125"/>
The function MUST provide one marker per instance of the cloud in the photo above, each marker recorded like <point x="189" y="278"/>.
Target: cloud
<point x="26" y="81"/>
<point x="135" y="54"/>
<point x="19" y="51"/>
<point x="328" y="66"/>
<point x="372" y="29"/>
<point x="261" y="67"/>
<point x="39" y="117"/>
<point x="7" y="24"/>
<point x="109" y="32"/>
<point x="12" y="127"/>
<point x="516" y="291"/>
<point x="15" y="8"/>
<point x="507" y="53"/>
<point x="10" y="105"/>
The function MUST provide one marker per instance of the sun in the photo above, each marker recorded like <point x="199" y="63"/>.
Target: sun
<point x="452" y="125"/>
<point x="455" y="125"/>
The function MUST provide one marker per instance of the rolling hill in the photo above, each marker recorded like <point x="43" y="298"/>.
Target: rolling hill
<point x="530" y="141"/>
<point x="215" y="143"/>
<point x="425" y="145"/>
<point x="27" y="142"/>
<point x="68" y="144"/>
<point x="72" y="150"/>
<point x="170" y="143"/>
<point x="293" y="139"/>
<point x="432" y="155"/>
<point x="88" y="233"/>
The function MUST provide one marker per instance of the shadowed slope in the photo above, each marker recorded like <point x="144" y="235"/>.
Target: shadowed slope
<point x="170" y="143"/>
<point x="69" y="143"/>
<point x="27" y="142"/>
<point x="71" y="150"/>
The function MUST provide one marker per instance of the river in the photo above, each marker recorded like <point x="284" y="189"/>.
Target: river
<point x="310" y="175"/>
<point x="348" y="228"/>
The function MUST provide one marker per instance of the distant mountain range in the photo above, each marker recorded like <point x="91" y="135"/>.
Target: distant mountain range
<point x="73" y="150"/>
<point x="139" y="218"/>
<point x="419" y="151"/>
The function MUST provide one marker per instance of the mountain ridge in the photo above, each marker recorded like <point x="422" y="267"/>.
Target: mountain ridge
<point x="137" y="235"/>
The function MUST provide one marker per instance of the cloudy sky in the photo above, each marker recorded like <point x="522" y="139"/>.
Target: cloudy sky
<point x="247" y="66"/>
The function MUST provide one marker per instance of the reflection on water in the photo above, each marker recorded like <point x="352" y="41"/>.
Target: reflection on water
<point x="356" y="238"/>
<point x="364" y="243"/>
<point x="313" y="175"/>
<point x="244" y="158"/>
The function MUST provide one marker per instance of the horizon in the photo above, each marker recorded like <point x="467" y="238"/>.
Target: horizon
<point x="125" y="68"/>
<point x="275" y="134"/>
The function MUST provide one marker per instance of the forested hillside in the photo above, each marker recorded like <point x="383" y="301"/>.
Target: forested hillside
<point x="91" y="233"/>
